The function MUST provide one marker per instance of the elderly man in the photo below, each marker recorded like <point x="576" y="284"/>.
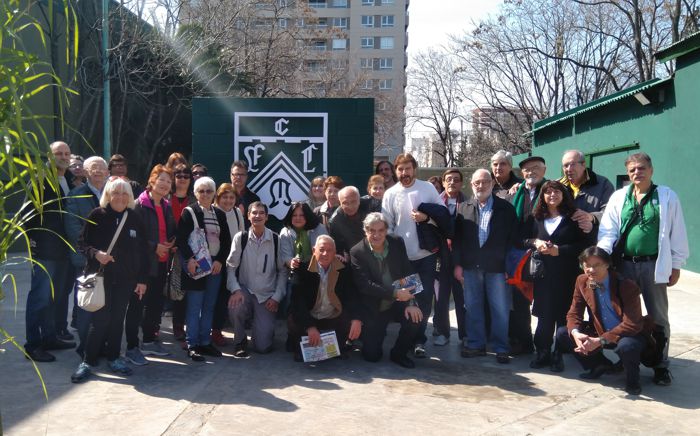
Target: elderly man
<point x="239" y="180"/>
<point x="615" y="320"/>
<point x="80" y="202"/>
<point x="644" y="224"/>
<point x="591" y="191"/>
<point x="345" y="226"/>
<point x="377" y="262"/>
<point x="486" y="229"/>
<point x="400" y="207"/>
<point x="46" y="233"/>
<point x="257" y="280"/>
<point x="324" y="298"/>
<point x="502" y="172"/>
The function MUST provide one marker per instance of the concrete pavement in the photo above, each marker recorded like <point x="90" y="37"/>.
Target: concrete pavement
<point x="268" y="394"/>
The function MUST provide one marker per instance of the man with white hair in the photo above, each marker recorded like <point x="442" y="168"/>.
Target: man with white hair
<point x="46" y="233"/>
<point x="345" y="226"/>
<point x="502" y="173"/>
<point x="486" y="229"/>
<point x="80" y="202"/>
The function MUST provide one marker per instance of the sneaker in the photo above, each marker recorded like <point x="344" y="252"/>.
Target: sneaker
<point x="633" y="388"/>
<point x="119" y="366"/>
<point x="419" y="351"/>
<point x="218" y="338"/>
<point x="441" y="340"/>
<point x="662" y="376"/>
<point x="193" y="353"/>
<point x="136" y="357"/>
<point x="82" y="373"/>
<point x="209" y="350"/>
<point x="502" y="358"/>
<point x="39" y="355"/>
<point x="240" y="352"/>
<point x="153" y="349"/>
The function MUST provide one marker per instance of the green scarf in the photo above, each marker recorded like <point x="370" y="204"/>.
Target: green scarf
<point x="302" y="245"/>
<point x="519" y="199"/>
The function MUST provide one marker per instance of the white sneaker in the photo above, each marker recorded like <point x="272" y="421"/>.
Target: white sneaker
<point x="441" y="340"/>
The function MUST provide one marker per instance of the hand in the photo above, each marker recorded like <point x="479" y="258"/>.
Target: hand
<point x="459" y="273"/>
<point x="591" y="344"/>
<point x="551" y="250"/>
<point x="294" y="263"/>
<point x="355" y="329"/>
<point x="163" y="249"/>
<point x="675" y="275"/>
<point x="272" y="305"/>
<point x="216" y="267"/>
<point x="579" y="339"/>
<point x="414" y="314"/>
<point x="314" y="336"/>
<point x="191" y="266"/>
<point x="343" y="257"/>
<point x="513" y="189"/>
<point x="419" y="217"/>
<point x="235" y="300"/>
<point x="541" y="245"/>
<point x="103" y="257"/>
<point x="404" y="294"/>
<point x="584" y="220"/>
<point x="140" y="290"/>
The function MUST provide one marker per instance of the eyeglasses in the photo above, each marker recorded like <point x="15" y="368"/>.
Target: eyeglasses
<point x="239" y="174"/>
<point x="205" y="191"/>
<point x="182" y="176"/>
<point x="199" y="173"/>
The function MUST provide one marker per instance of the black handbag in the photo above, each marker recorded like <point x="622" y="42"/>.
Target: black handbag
<point x="536" y="265"/>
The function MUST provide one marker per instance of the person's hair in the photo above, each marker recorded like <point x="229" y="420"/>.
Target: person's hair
<point x="156" y="172"/>
<point x="479" y="171"/>
<point x="206" y="181"/>
<point x="77" y="157"/>
<point x="375" y="180"/>
<point x="200" y="166"/>
<point x="176" y="159"/>
<point x="239" y="164"/>
<point x="91" y="160"/>
<point x="452" y="171"/>
<point x="436" y="179"/>
<point x="326" y="238"/>
<point x="312" y="220"/>
<point x="255" y="204"/>
<point x="225" y="188"/>
<point x="405" y="158"/>
<point x="594" y="251"/>
<point x="391" y="166"/>
<point x="315" y="180"/>
<point x="639" y="157"/>
<point x="580" y="157"/>
<point x="502" y="155"/>
<point x="565" y="208"/>
<point x="117" y="184"/>
<point x="116" y="158"/>
<point x="182" y="169"/>
<point x="374" y="217"/>
<point x="347" y="189"/>
<point x="333" y="181"/>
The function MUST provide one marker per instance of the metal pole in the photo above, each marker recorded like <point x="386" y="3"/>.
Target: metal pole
<point x="106" y="106"/>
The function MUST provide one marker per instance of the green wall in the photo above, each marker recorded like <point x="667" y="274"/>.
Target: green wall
<point x="668" y="131"/>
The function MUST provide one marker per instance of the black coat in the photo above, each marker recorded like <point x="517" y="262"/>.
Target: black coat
<point x="368" y="276"/>
<point x="184" y="229"/>
<point x="146" y="210"/>
<point x="347" y="231"/>
<point x="503" y="233"/>
<point x="305" y="293"/>
<point x="553" y="292"/>
<point x="46" y="230"/>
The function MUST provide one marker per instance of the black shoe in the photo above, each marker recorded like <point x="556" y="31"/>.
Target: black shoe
<point x="518" y="349"/>
<point x="595" y="373"/>
<point x="633" y="388"/>
<point x="662" y="376"/>
<point x="557" y="362"/>
<point x="65" y="335"/>
<point x="209" y="350"/>
<point x="502" y="358"/>
<point x="58" y="344"/>
<point x="419" y="352"/>
<point x="297" y="356"/>
<point x="616" y="368"/>
<point x="241" y="352"/>
<point x="193" y="354"/>
<point x="544" y="358"/>
<point x="40" y="355"/>
<point x="473" y="352"/>
<point x="402" y="360"/>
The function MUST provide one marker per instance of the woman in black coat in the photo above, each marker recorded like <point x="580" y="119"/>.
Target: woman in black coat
<point x="559" y="240"/>
<point x="202" y="293"/>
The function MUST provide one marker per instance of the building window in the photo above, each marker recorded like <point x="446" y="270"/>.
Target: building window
<point x="283" y="3"/>
<point x="340" y="22"/>
<point x="387" y="2"/>
<point x="385" y="83"/>
<point x="367" y="42"/>
<point x="318" y="45"/>
<point x="387" y="21"/>
<point x="301" y="23"/>
<point x="339" y="3"/>
<point x="367" y="2"/>
<point x="365" y="63"/>
<point x="386" y="63"/>
<point x="317" y="3"/>
<point x="386" y="42"/>
<point x="367" y="84"/>
<point x="381" y="106"/>
<point x="339" y="64"/>
<point x="339" y="44"/>
<point x="368" y="21"/>
<point x="282" y="23"/>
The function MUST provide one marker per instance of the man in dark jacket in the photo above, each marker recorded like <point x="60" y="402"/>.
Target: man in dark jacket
<point x="245" y="197"/>
<point x="46" y="237"/>
<point x="503" y="176"/>
<point x="345" y="226"/>
<point x="487" y="229"/>
<point x="324" y="298"/>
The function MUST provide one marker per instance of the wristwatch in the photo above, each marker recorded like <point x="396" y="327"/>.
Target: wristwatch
<point x="603" y="341"/>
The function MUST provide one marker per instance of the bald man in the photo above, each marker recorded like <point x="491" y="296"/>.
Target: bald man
<point x="345" y="226"/>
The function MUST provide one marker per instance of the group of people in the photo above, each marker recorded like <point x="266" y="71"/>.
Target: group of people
<point x="343" y="262"/>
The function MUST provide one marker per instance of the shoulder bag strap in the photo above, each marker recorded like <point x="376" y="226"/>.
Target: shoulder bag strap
<point x="119" y="230"/>
<point x="195" y="221"/>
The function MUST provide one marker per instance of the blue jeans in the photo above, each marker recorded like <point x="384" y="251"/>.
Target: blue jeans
<point x="478" y="286"/>
<point x="40" y="314"/>
<point x="200" y="312"/>
<point x="425" y="268"/>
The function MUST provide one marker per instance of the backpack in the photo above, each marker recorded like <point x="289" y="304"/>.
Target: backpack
<point x="244" y="242"/>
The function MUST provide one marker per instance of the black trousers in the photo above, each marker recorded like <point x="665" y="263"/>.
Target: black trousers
<point x="341" y="325"/>
<point x="374" y="331"/>
<point x="547" y="325"/>
<point x="441" y="318"/>
<point x="519" y="328"/>
<point x="107" y="324"/>
<point x="147" y="311"/>
<point x="221" y="308"/>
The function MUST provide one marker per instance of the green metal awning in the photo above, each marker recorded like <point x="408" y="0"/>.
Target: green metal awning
<point x="684" y="46"/>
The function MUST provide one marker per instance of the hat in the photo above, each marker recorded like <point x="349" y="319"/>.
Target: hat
<point x="530" y="159"/>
